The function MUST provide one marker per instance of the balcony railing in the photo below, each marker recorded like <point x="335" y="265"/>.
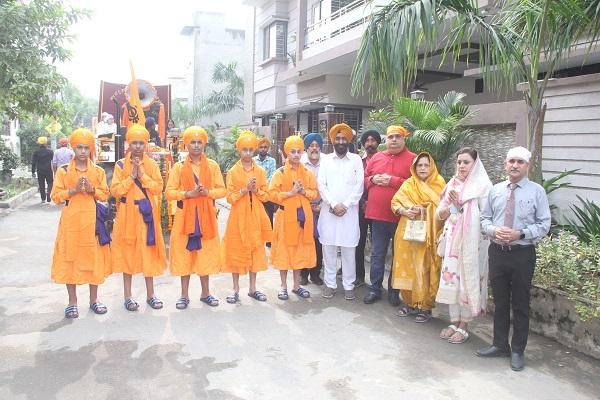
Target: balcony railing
<point x="347" y="18"/>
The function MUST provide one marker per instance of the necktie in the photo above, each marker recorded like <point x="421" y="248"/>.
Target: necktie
<point x="509" y="212"/>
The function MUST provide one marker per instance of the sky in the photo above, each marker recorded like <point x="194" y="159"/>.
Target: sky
<point x="147" y="32"/>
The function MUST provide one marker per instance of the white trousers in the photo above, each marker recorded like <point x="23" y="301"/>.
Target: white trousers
<point x="348" y="266"/>
<point x="460" y="313"/>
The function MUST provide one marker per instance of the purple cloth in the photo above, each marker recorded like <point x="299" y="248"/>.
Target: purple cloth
<point x="62" y="156"/>
<point x="101" y="218"/>
<point x="195" y="239"/>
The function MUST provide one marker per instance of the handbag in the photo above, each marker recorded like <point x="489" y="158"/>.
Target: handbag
<point x="416" y="230"/>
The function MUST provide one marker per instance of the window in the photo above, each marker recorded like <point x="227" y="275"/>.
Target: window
<point x="316" y="12"/>
<point x="275" y="40"/>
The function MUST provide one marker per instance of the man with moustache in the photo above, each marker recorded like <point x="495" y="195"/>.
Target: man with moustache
<point x="311" y="159"/>
<point x="515" y="217"/>
<point x="385" y="172"/>
<point x="341" y="187"/>
<point x="370" y="141"/>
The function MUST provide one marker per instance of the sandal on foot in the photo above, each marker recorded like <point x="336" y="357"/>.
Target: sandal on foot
<point x="258" y="296"/>
<point x="233" y="298"/>
<point x="283" y="294"/>
<point x="98" y="308"/>
<point x="155" y="303"/>
<point x="464" y="336"/>
<point x="71" y="312"/>
<point x="447" y="332"/>
<point x="182" y="303"/>
<point x="405" y="310"/>
<point x="422" y="316"/>
<point x="305" y="294"/>
<point x="210" y="300"/>
<point x="131" y="305"/>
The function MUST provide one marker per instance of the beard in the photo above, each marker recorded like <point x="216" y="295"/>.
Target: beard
<point x="341" y="148"/>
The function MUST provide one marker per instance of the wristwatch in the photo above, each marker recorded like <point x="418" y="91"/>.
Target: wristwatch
<point x="522" y="234"/>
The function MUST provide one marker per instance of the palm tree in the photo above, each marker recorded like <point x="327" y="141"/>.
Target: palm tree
<point x="437" y="127"/>
<point x="523" y="41"/>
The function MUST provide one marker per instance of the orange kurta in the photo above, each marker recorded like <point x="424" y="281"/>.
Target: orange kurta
<point x="78" y="257"/>
<point x="205" y="261"/>
<point x="248" y="226"/>
<point x="130" y="253"/>
<point x="300" y="255"/>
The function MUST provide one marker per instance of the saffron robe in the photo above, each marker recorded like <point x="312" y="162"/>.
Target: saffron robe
<point x="205" y="261"/>
<point x="248" y="226"/>
<point x="293" y="246"/>
<point x="78" y="257"/>
<point x="130" y="253"/>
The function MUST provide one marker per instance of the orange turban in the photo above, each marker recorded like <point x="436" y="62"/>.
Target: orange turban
<point x="398" y="130"/>
<point x="63" y="142"/>
<point x="293" y="142"/>
<point x="340" y="128"/>
<point x="264" y="140"/>
<point x="82" y="136"/>
<point x="137" y="133"/>
<point x="247" y="139"/>
<point x="195" y="132"/>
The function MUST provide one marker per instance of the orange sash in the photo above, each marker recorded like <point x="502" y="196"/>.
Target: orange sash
<point x="202" y="205"/>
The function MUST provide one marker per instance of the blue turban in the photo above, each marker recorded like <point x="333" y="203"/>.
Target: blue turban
<point x="150" y="122"/>
<point x="310" y="137"/>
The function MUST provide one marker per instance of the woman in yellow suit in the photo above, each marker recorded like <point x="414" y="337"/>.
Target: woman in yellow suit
<point x="81" y="250"/>
<point x="138" y="244"/>
<point x="248" y="226"/>
<point x="195" y="184"/>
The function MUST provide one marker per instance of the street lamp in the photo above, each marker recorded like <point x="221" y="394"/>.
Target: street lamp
<point x="417" y="95"/>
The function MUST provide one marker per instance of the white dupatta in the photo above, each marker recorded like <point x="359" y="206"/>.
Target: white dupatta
<point x="465" y="267"/>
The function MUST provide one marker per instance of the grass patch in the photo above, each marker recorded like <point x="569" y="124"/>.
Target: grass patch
<point x="16" y="186"/>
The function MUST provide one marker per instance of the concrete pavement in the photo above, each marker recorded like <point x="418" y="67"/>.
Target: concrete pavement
<point x="299" y="349"/>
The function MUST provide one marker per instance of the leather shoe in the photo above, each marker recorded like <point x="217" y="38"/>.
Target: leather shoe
<point x="493" y="351"/>
<point x="517" y="361"/>
<point x="316" y="280"/>
<point x="371" y="298"/>
<point x="303" y="280"/>
<point x="394" y="298"/>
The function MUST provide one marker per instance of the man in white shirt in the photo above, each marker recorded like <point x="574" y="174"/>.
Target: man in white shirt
<point x="340" y="186"/>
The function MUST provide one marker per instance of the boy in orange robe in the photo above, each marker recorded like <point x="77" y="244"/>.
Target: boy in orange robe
<point x="81" y="249"/>
<point x="138" y="245"/>
<point x="248" y="225"/>
<point x="293" y="187"/>
<point x="195" y="246"/>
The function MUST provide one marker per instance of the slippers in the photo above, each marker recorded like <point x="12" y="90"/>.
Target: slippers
<point x="131" y="305"/>
<point x="422" y="316"/>
<point x="210" y="300"/>
<point x="71" y="312"/>
<point x="98" y="308"/>
<point x="305" y="294"/>
<point x="405" y="311"/>
<point x="258" y="296"/>
<point x="464" y="336"/>
<point x="446" y="333"/>
<point x="155" y="303"/>
<point x="182" y="303"/>
<point x="233" y="298"/>
<point x="283" y="294"/>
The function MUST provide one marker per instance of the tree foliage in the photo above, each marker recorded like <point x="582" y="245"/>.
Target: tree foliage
<point x="33" y="35"/>
<point x="437" y="127"/>
<point x="523" y="39"/>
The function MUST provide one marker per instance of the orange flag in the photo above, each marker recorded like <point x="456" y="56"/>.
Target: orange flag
<point x="134" y="105"/>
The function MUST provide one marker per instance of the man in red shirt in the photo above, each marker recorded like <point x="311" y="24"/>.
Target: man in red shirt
<point x="369" y="140"/>
<point x="385" y="172"/>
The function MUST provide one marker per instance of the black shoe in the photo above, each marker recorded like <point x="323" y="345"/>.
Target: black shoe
<point x="316" y="279"/>
<point x="394" y="299"/>
<point x="371" y="298"/>
<point x="493" y="351"/>
<point x="517" y="361"/>
<point x="304" y="280"/>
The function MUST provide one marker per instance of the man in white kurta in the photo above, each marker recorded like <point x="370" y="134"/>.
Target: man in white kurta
<point x="341" y="187"/>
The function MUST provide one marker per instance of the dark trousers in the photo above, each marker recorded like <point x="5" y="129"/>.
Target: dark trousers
<point x="381" y="234"/>
<point x="364" y="225"/>
<point x="316" y="271"/>
<point x="511" y="273"/>
<point x="270" y="210"/>
<point x="45" y="178"/>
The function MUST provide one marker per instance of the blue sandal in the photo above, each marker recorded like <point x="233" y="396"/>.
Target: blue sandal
<point x="182" y="303"/>
<point x="98" y="308"/>
<point x="155" y="303"/>
<point x="131" y="305"/>
<point x="71" y="312"/>
<point x="283" y="294"/>
<point x="233" y="298"/>
<point x="305" y="294"/>
<point x="210" y="300"/>
<point x="258" y="296"/>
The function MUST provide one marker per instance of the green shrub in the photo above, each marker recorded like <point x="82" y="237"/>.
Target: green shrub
<point x="564" y="262"/>
<point x="587" y="220"/>
<point x="8" y="159"/>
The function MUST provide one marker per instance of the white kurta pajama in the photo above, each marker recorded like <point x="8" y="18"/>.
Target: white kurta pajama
<point x="340" y="182"/>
